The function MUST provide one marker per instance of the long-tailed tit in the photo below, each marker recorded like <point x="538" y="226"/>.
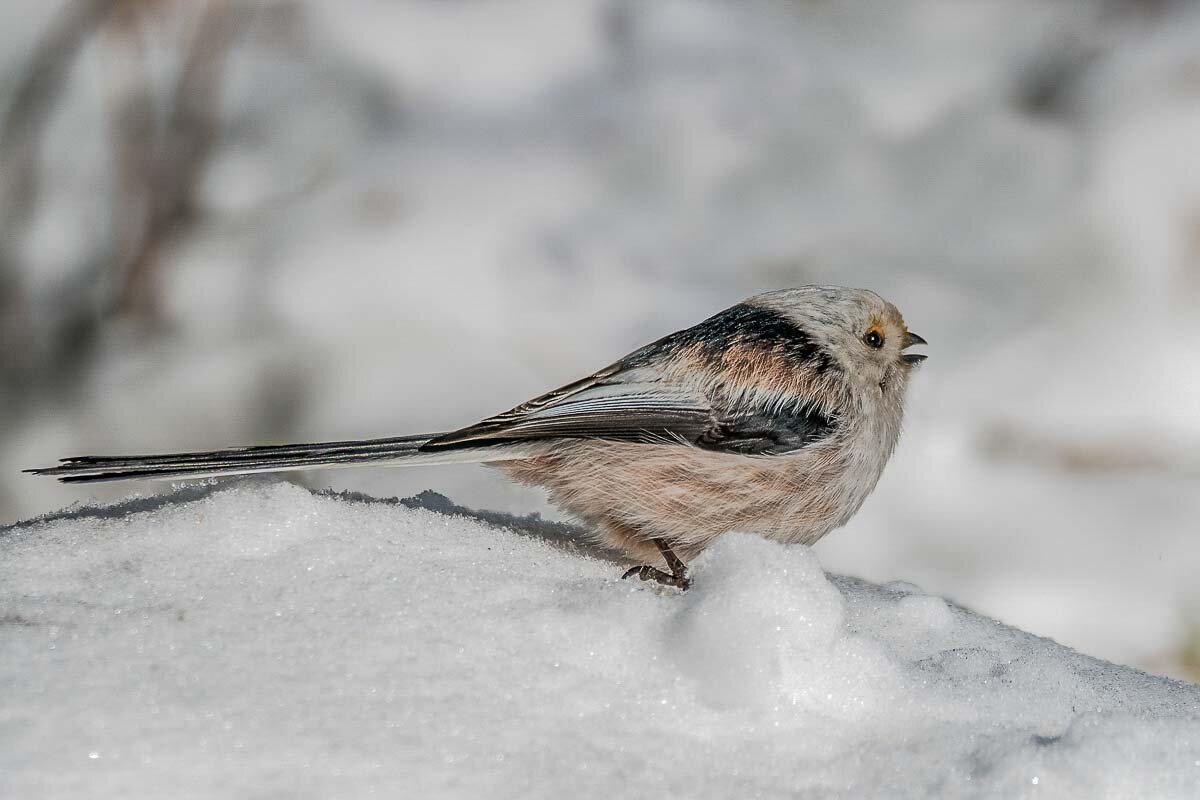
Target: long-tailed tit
<point x="775" y="416"/>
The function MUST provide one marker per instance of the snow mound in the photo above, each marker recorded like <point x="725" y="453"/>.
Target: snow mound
<point x="257" y="639"/>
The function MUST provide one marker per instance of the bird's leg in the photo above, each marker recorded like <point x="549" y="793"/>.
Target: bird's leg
<point x="678" y="575"/>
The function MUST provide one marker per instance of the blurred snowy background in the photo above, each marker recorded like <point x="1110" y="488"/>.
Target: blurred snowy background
<point x="249" y="222"/>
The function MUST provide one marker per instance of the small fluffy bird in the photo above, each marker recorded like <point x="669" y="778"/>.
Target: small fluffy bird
<point x="775" y="416"/>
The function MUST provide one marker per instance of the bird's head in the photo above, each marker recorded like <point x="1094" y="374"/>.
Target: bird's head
<point x="859" y="331"/>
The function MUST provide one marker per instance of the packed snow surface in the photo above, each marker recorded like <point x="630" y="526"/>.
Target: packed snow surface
<point x="260" y="640"/>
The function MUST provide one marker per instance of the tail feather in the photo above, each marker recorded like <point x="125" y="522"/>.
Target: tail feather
<point x="267" y="458"/>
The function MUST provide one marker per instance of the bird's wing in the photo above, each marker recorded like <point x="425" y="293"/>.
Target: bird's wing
<point x="625" y="405"/>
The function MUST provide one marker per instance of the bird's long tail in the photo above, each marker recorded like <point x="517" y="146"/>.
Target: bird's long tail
<point x="271" y="458"/>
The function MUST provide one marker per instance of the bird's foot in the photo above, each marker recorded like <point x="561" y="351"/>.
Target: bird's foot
<point x="677" y="577"/>
<point x="647" y="573"/>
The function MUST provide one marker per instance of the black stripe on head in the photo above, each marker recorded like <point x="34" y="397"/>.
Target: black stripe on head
<point x="742" y="325"/>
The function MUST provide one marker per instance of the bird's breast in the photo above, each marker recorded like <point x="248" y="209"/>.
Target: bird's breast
<point x="689" y="496"/>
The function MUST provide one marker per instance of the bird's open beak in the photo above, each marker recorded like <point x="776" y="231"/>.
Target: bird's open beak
<point x="911" y="339"/>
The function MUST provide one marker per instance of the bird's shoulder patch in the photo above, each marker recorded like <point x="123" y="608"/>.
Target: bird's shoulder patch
<point x="744" y="337"/>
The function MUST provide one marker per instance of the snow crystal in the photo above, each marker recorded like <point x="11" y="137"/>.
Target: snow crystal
<point x="260" y="639"/>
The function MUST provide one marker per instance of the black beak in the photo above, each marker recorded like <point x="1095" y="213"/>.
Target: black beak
<point x="911" y="339"/>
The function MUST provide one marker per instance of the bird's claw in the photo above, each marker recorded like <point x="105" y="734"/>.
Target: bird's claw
<point x="648" y="573"/>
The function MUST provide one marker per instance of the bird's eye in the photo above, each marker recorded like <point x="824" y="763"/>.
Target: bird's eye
<point x="873" y="338"/>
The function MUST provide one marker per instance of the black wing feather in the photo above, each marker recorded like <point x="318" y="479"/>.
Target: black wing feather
<point x="667" y="416"/>
<point x="766" y="434"/>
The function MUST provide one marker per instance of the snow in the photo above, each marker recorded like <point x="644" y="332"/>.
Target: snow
<point x="258" y="639"/>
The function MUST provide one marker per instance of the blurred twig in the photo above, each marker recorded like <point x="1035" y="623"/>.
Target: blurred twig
<point x="34" y="101"/>
<point x="159" y="166"/>
<point x="169" y="175"/>
<point x="131" y="98"/>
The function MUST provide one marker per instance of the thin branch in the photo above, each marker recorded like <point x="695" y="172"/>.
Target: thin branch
<point x="191" y="134"/>
<point x="36" y="97"/>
